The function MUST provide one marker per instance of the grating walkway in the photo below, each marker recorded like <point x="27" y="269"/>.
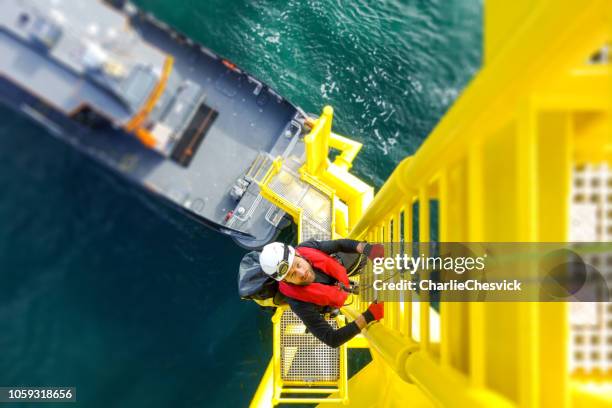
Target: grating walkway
<point x="316" y="205"/>
<point x="303" y="358"/>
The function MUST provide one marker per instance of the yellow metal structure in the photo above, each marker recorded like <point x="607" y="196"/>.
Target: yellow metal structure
<point x="500" y="165"/>
<point x="352" y="191"/>
<point x="319" y="197"/>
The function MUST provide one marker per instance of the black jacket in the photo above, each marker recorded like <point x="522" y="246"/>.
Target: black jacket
<point x="310" y="313"/>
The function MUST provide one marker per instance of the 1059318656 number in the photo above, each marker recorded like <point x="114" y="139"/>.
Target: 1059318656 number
<point x="33" y="394"/>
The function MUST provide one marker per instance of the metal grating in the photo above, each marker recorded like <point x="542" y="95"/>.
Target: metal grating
<point x="312" y="230"/>
<point x="316" y="206"/>
<point x="591" y="220"/>
<point x="304" y="357"/>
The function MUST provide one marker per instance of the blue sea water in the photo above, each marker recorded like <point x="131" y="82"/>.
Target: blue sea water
<point x="104" y="289"/>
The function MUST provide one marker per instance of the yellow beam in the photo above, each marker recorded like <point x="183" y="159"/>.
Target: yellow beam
<point x="447" y="387"/>
<point x="475" y="234"/>
<point x="317" y="142"/>
<point x="276" y="356"/>
<point x="424" y="237"/>
<point x="586" y="88"/>
<point x="348" y="150"/>
<point x="500" y="23"/>
<point x="265" y="390"/>
<point x="350" y="189"/>
<point x="389" y="344"/>
<point x="591" y="394"/>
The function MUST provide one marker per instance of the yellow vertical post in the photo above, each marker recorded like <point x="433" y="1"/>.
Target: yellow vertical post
<point x="443" y="230"/>
<point x="406" y="324"/>
<point x="526" y="209"/>
<point x="395" y="244"/>
<point x="555" y="137"/>
<point x="527" y="181"/>
<point x="396" y="295"/>
<point x="389" y="306"/>
<point x="341" y="226"/>
<point x="378" y="233"/>
<point x="475" y="234"/>
<point x="454" y="315"/>
<point x="371" y="237"/>
<point x="424" y="238"/>
<point x="276" y="356"/>
<point x="317" y="142"/>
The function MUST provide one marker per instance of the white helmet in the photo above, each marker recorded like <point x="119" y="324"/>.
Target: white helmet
<point x="276" y="259"/>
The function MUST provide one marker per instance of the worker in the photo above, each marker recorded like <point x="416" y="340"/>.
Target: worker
<point x="313" y="282"/>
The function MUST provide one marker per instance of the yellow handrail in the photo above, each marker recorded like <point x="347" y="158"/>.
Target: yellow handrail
<point x="498" y="165"/>
<point x="348" y="150"/>
<point x="317" y="142"/>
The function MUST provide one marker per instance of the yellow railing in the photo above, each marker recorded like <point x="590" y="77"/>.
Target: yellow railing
<point x="331" y="179"/>
<point x="348" y="197"/>
<point x="351" y="190"/>
<point x="266" y="192"/>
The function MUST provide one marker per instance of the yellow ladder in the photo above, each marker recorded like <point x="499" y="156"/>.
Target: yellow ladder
<point x="508" y="163"/>
<point x="303" y="369"/>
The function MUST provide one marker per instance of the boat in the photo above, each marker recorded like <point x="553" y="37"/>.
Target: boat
<point x="159" y="109"/>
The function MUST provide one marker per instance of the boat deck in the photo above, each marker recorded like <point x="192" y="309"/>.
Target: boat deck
<point x="224" y="118"/>
<point x="250" y="120"/>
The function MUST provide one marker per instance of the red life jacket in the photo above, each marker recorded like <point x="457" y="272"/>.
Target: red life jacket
<point x="319" y="293"/>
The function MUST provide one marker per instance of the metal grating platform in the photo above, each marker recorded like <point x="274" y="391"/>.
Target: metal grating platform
<point x="316" y="206"/>
<point x="304" y="360"/>
<point x="303" y="357"/>
<point x="313" y="230"/>
<point x="591" y="220"/>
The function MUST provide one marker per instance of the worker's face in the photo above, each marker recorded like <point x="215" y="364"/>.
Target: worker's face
<point x="300" y="273"/>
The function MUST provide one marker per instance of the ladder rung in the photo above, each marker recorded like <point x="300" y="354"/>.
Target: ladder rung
<point x="309" y="390"/>
<point x="309" y="400"/>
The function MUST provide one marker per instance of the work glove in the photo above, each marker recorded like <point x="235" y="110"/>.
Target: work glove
<point x="374" y="251"/>
<point x="375" y="312"/>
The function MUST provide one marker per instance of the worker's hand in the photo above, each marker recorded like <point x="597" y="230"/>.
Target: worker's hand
<point x="375" y="312"/>
<point x="375" y="251"/>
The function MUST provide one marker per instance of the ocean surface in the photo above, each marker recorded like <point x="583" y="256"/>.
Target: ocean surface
<point x="103" y="289"/>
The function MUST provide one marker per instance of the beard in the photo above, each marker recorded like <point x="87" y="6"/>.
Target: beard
<point x="311" y="274"/>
